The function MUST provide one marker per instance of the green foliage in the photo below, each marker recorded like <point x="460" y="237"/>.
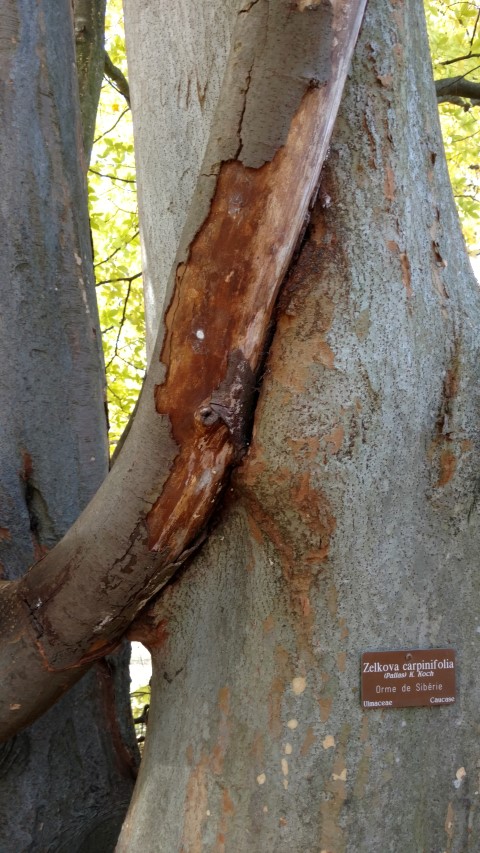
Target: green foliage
<point x="114" y="223"/>
<point x="454" y="33"/>
<point x="140" y="704"/>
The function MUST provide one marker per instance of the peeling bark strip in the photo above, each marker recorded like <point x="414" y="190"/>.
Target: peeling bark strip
<point x="223" y="304"/>
<point x="81" y="597"/>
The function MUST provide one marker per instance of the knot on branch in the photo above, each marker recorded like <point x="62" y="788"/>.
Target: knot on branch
<point x="207" y="416"/>
<point x="232" y="401"/>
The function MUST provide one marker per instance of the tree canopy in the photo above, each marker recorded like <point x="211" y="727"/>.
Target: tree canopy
<point x="454" y="33"/>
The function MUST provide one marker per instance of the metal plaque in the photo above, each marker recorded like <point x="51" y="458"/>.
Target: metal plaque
<point x="409" y="678"/>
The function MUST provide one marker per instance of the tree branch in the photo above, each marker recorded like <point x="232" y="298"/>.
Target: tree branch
<point x="118" y="249"/>
<point x="89" y="16"/>
<point x="123" y="317"/>
<point x="129" y="278"/>
<point x="152" y="511"/>
<point x="474" y="29"/>
<point x="456" y="89"/>
<point x="117" y="77"/>
<point x="112" y="128"/>
<point x="459" y="58"/>
<point x="112" y="177"/>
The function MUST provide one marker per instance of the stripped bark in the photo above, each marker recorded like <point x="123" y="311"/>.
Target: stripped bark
<point x="76" y="603"/>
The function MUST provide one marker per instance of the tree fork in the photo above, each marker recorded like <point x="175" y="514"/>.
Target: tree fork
<point x="76" y="603"/>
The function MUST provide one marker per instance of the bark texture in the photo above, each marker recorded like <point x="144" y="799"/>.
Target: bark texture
<point x="152" y="511"/>
<point x="175" y="82"/>
<point x="352" y="524"/>
<point x="89" y="23"/>
<point x="67" y="776"/>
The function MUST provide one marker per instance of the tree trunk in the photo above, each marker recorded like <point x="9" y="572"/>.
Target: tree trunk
<point x="154" y="508"/>
<point x="89" y="23"/>
<point x="68" y="778"/>
<point x="175" y="81"/>
<point x="351" y="525"/>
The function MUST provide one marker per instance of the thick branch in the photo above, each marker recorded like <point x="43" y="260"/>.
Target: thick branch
<point x="117" y="78"/>
<point x="190" y="428"/>
<point x="451" y="89"/>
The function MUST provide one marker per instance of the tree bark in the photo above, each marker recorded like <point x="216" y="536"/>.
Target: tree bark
<point x="153" y="509"/>
<point x="89" y="23"/>
<point x="351" y="525"/>
<point x="68" y="777"/>
<point x="180" y="104"/>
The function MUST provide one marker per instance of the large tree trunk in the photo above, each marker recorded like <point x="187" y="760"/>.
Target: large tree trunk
<point x="66" y="781"/>
<point x="351" y="525"/>
<point x="153" y="510"/>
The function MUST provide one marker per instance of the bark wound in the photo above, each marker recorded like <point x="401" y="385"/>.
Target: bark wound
<point x="445" y="445"/>
<point x="220" y="313"/>
<point x="217" y="324"/>
<point x="232" y="401"/>
<point x="222" y="304"/>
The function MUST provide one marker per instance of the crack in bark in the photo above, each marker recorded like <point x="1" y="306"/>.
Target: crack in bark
<point x="35" y="624"/>
<point x="244" y="107"/>
<point x="41" y="525"/>
<point x="134" y="537"/>
<point x="192" y="549"/>
<point x="247" y="8"/>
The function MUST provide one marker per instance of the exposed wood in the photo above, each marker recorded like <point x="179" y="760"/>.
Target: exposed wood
<point x="76" y="603"/>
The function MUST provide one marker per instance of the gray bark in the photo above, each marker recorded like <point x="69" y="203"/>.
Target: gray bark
<point x="175" y="81"/>
<point x="89" y="23"/>
<point x="152" y="511"/>
<point x="351" y="525"/>
<point x="67" y="776"/>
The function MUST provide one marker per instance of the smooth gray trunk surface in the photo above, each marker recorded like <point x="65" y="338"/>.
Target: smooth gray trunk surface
<point x="175" y="82"/>
<point x="351" y="526"/>
<point x="68" y="777"/>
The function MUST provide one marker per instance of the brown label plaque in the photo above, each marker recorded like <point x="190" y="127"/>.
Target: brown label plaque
<point x="408" y="678"/>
